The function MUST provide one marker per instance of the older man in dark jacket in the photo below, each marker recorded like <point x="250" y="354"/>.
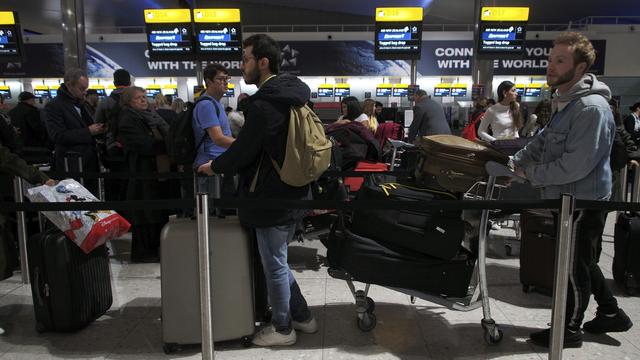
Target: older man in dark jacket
<point x="26" y="117"/>
<point x="428" y="117"/>
<point x="70" y="127"/>
<point x="261" y="142"/>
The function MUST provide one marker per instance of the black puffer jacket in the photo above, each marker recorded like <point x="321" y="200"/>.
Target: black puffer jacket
<point x="264" y="134"/>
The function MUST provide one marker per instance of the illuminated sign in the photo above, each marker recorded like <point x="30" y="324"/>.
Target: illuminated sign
<point x="325" y="90"/>
<point x="383" y="90"/>
<point x="10" y="37"/>
<point x="153" y="90"/>
<point x="398" y="33"/>
<point x="502" y="30"/>
<point x="342" y="90"/>
<point x="5" y="91"/>
<point x="41" y="91"/>
<point x="231" y="90"/>
<point x="533" y="89"/>
<point x="442" y="90"/>
<point x="400" y="90"/>
<point x="459" y="90"/>
<point x="519" y="89"/>
<point x="218" y="33"/>
<point x="169" y="89"/>
<point x="169" y="34"/>
<point x="99" y="89"/>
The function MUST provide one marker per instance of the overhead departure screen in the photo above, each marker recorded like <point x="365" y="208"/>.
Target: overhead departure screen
<point x="218" y="33"/>
<point x="398" y="33"/>
<point x="502" y="30"/>
<point x="10" y="37"/>
<point x="169" y="34"/>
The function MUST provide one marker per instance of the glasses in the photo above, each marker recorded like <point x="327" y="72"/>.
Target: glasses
<point x="222" y="78"/>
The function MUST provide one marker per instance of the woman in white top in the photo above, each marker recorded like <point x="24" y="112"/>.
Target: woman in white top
<point x="504" y="117"/>
<point x="351" y="111"/>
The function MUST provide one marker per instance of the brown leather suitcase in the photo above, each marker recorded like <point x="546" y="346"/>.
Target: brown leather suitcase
<point x="537" y="250"/>
<point x="454" y="163"/>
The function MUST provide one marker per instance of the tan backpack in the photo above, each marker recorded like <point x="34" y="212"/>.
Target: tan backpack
<point x="308" y="151"/>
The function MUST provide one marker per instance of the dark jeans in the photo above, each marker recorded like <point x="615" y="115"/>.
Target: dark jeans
<point x="585" y="276"/>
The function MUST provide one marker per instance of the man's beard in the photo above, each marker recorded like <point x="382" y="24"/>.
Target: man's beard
<point x="563" y="78"/>
<point x="252" y="77"/>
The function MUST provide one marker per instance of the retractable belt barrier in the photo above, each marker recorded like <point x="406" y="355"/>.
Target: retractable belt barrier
<point x="189" y="174"/>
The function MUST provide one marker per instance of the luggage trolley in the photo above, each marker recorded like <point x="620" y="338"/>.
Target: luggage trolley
<point x="477" y="296"/>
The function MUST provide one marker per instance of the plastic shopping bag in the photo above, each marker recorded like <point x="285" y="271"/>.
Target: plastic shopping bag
<point x="86" y="228"/>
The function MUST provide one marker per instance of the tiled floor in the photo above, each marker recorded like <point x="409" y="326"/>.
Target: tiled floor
<point x="424" y="330"/>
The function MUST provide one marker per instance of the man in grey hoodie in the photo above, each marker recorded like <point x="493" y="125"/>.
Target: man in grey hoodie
<point x="571" y="155"/>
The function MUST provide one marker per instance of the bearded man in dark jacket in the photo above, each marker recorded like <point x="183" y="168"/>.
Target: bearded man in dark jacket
<point x="261" y="142"/>
<point x="70" y="127"/>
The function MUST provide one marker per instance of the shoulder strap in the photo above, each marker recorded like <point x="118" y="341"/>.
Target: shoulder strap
<point x="204" y="136"/>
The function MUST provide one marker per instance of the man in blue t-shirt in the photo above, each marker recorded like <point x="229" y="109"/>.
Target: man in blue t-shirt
<point x="207" y="119"/>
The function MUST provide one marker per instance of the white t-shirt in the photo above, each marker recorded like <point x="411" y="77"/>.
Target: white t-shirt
<point x="362" y="117"/>
<point x="499" y="118"/>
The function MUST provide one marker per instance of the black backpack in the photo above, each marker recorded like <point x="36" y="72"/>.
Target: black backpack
<point x="181" y="143"/>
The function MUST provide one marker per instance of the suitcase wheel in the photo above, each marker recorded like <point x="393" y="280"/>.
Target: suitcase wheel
<point x="366" y="321"/>
<point x="493" y="337"/>
<point x="170" y="348"/>
<point x="371" y="305"/>
<point x="246" y="341"/>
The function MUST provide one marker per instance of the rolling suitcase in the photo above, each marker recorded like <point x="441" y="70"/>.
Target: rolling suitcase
<point x="437" y="233"/>
<point x="354" y="183"/>
<point x="370" y="262"/>
<point x="232" y="273"/>
<point x="70" y="288"/>
<point x="626" y="240"/>
<point x="454" y="163"/>
<point x="537" y="250"/>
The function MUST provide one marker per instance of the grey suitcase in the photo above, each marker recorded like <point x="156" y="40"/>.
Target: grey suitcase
<point x="232" y="291"/>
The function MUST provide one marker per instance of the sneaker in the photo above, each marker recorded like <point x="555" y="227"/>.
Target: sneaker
<point x="603" y="324"/>
<point x="572" y="339"/>
<point x="308" y="327"/>
<point x="268" y="336"/>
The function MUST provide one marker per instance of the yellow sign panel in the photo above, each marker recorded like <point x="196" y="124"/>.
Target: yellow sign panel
<point x="343" y="86"/>
<point x="4" y="87"/>
<point x="96" y="87"/>
<point x="519" y="86"/>
<point x="169" y="86"/>
<point x="384" y="86"/>
<point x="459" y="86"/>
<point x="216" y="15"/>
<point x="325" y="86"/>
<point x="153" y="86"/>
<point x="388" y="14"/>
<point x="112" y="87"/>
<point x="6" y="18"/>
<point x="504" y="14"/>
<point x="163" y="16"/>
<point x="41" y="87"/>
<point x="230" y="86"/>
<point x="534" y="85"/>
<point x="401" y="86"/>
<point x="443" y="86"/>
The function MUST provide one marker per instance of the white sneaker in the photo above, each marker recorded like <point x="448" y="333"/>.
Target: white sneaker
<point x="307" y="327"/>
<point x="268" y="336"/>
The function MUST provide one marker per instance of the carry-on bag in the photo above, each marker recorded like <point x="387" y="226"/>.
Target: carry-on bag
<point x="232" y="277"/>
<point x="70" y="288"/>
<point x="537" y="250"/>
<point x="626" y="240"/>
<point x="510" y="147"/>
<point x="370" y="262"/>
<point x="436" y="233"/>
<point x="454" y="163"/>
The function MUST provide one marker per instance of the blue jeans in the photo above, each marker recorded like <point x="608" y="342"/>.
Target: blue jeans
<point x="285" y="297"/>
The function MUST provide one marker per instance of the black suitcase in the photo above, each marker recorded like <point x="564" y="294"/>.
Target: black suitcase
<point x="435" y="233"/>
<point x="537" y="250"/>
<point x="369" y="262"/>
<point x="626" y="239"/>
<point x="70" y="288"/>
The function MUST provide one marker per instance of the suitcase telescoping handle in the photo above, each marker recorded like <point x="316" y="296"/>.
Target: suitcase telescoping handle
<point x="635" y="190"/>
<point x="66" y="162"/>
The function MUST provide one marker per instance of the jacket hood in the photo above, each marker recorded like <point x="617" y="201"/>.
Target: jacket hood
<point x="588" y="85"/>
<point x="286" y="89"/>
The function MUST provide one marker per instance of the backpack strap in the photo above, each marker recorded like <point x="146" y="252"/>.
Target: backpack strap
<point x="204" y="136"/>
<point x="254" y="182"/>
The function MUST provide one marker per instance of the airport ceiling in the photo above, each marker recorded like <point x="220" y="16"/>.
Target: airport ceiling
<point x="44" y="16"/>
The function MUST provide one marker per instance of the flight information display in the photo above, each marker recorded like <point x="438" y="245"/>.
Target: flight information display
<point x="169" y="34"/>
<point x="231" y="91"/>
<point x="398" y="33"/>
<point x="383" y="91"/>
<point x="442" y="91"/>
<point x="10" y="37"/>
<point x="53" y="92"/>
<point x="218" y="33"/>
<point x="41" y="92"/>
<point x="5" y="91"/>
<point x="502" y="30"/>
<point x="325" y="92"/>
<point x="153" y="91"/>
<point x="342" y="91"/>
<point x="400" y="91"/>
<point x="533" y="91"/>
<point x="459" y="91"/>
